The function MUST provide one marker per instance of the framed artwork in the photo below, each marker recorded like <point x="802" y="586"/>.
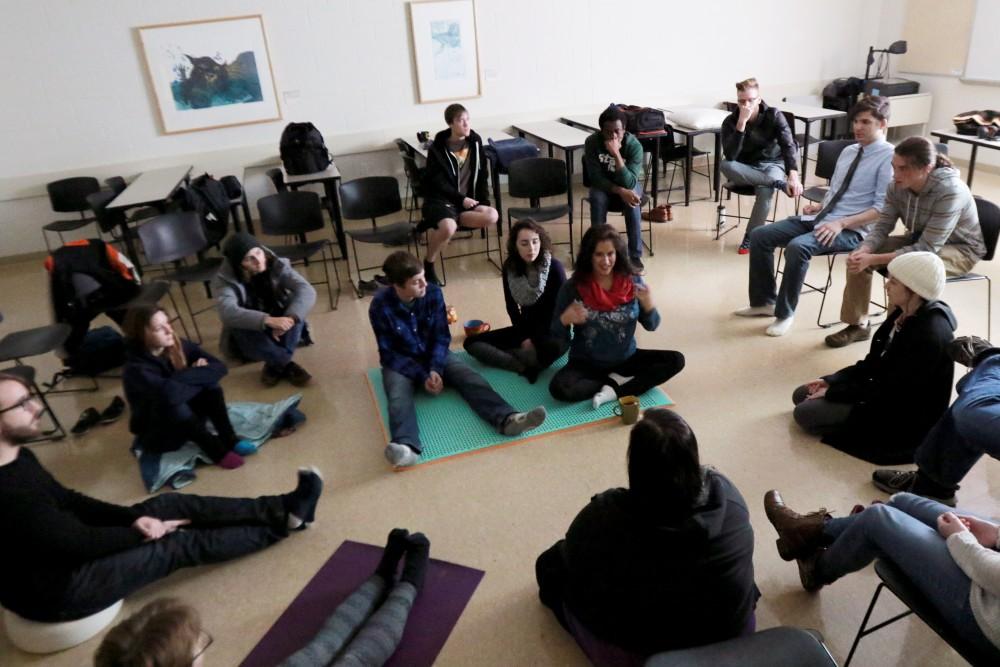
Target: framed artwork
<point x="210" y="74"/>
<point x="445" y="49"/>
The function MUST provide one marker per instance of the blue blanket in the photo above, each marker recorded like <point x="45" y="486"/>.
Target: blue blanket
<point x="255" y="422"/>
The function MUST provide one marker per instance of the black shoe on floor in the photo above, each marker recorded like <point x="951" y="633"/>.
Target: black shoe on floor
<point x="637" y="264"/>
<point x="430" y="274"/>
<point x="368" y="286"/>
<point x="297" y="375"/>
<point x="88" y="418"/>
<point x="115" y="410"/>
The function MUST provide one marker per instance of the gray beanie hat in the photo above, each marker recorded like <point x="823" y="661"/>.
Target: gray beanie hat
<point x="922" y="272"/>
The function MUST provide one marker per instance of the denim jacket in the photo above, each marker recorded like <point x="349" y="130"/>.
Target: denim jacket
<point x="413" y="341"/>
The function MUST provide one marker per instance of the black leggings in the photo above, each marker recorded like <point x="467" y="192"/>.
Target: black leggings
<point x="187" y="422"/>
<point x="493" y="348"/>
<point x="578" y="380"/>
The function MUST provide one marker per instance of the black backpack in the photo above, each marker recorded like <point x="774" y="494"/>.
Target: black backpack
<point x="208" y="197"/>
<point x="642" y="120"/>
<point x="303" y="150"/>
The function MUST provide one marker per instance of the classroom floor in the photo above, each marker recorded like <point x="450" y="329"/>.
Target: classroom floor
<point x="497" y="510"/>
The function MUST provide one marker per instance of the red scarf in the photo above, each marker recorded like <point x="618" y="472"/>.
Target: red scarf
<point x="597" y="298"/>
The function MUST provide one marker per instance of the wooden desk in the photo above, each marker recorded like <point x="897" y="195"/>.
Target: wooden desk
<point x="330" y="178"/>
<point x="151" y="188"/>
<point x="561" y="136"/>
<point x="589" y="122"/>
<point x="945" y="136"/>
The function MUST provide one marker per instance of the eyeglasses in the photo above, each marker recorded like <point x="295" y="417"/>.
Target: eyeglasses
<point x="20" y="404"/>
<point x="204" y="640"/>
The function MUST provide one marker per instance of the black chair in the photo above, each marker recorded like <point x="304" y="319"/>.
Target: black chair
<point x="371" y="198"/>
<point x="238" y="202"/>
<point x="534" y="178"/>
<point x="826" y="162"/>
<point x="775" y="647"/>
<point x="675" y="154"/>
<point x="277" y="179"/>
<point x="895" y="580"/>
<point x="110" y="220"/>
<point x="69" y="195"/>
<point x="989" y="222"/>
<point x="171" y="238"/>
<point x="27" y="373"/>
<point x="800" y="138"/>
<point x="616" y="205"/>
<point x="414" y="176"/>
<point x="740" y="191"/>
<point x="294" y="214"/>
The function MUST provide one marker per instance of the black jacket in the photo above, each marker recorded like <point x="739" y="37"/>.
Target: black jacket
<point x="649" y="587"/>
<point x="899" y="390"/>
<point x="767" y="139"/>
<point x="153" y="387"/>
<point x="441" y="178"/>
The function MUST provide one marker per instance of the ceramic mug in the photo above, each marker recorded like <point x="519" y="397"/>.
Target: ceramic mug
<point x="628" y="409"/>
<point x="474" y="327"/>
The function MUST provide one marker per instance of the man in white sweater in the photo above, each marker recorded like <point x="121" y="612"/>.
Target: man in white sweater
<point x="952" y="558"/>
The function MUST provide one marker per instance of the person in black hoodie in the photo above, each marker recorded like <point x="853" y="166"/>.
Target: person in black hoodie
<point x="532" y="278"/>
<point x="455" y="185"/>
<point x="881" y="408"/>
<point x="664" y="564"/>
<point x="67" y="556"/>
<point x="172" y="387"/>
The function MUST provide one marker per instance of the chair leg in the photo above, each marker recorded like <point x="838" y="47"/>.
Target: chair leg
<point x="989" y="308"/>
<point x="864" y="631"/>
<point x="194" y="320"/>
<point x="354" y="284"/>
<point x="326" y="274"/>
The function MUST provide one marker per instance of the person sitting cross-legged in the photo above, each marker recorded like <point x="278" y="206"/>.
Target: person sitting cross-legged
<point x="67" y="556"/>
<point x="951" y="558"/>
<point x="411" y="329"/>
<point x="966" y="431"/>
<point x="853" y="202"/>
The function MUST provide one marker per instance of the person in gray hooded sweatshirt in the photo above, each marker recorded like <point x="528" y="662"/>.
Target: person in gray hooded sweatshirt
<point x="263" y="303"/>
<point x="940" y="216"/>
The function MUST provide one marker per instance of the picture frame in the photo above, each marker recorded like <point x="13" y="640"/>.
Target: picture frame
<point x="210" y="73"/>
<point x="445" y="50"/>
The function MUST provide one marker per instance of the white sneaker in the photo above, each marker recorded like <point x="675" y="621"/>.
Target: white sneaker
<point x="780" y="326"/>
<point x="399" y="455"/>
<point x="755" y="311"/>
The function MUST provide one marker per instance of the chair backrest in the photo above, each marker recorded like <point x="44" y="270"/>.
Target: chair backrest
<point x="108" y="219"/>
<point x="172" y="237"/>
<point x="290" y="213"/>
<point x="989" y="222"/>
<point x="234" y="189"/>
<point x="69" y="195"/>
<point x="414" y="173"/>
<point x="404" y="148"/>
<point x="116" y="183"/>
<point x="941" y="148"/>
<point x="829" y="153"/>
<point x="278" y="179"/>
<point x="536" y="177"/>
<point x="370" y="197"/>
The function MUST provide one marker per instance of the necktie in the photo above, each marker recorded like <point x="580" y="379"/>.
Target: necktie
<point x="843" y="187"/>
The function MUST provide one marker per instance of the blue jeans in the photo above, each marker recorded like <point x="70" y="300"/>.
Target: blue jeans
<point x="474" y="389"/>
<point x="904" y="531"/>
<point x="762" y="176"/>
<point x="967" y="430"/>
<point x="258" y="345"/>
<point x="796" y="236"/>
<point x="601" y="202"/>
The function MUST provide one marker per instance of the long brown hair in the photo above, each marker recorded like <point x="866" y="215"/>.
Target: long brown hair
<point x="137" y="320"/>
<point x="514" y="261"/>
<point x="583" y="268"/>
<point x="920" y="152"/>
<point x="164" y="633"/>
<point x="664" y="469"/>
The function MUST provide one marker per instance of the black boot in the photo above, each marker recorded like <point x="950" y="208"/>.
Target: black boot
<point x="430" y="274"/>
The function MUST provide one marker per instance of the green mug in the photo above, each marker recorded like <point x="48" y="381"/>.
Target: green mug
<point x="628" y="409"/>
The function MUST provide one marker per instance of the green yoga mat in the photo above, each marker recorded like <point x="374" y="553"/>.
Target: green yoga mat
<point x="449" y="427"/>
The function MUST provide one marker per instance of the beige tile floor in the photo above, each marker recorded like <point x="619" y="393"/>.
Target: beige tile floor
<point x="497" y="510"/>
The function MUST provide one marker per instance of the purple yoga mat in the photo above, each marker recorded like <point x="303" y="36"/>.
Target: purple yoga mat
<point x="446" y="591"/>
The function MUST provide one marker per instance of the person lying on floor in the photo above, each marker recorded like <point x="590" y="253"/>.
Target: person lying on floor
<point x="263" y="304"/>
<point x="907" y="372"/>
<point x="411" y="329"/>
<point x="950" y="558"/>
<point x="172" y="388"/>
<point x="602" y="303"/>
<point x="966" y="431"/>
<point x="665" y="564"/>
<point x="67" y="556"/>
<point x="532" y="278"/>
<point x="364" y="630"/>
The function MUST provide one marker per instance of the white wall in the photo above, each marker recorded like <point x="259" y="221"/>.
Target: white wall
<point x="80" y="104"/>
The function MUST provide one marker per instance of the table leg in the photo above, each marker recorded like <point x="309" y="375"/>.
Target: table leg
<point x="972" y="165"/>
<point x="569" y="183"/>
<point x="656" y="173"/>
<point x="687" y="170"/>
<point x="718" y="164"/>
<point x="805" y="153"/>
<point x="333" y="200"/>
<point x="129" y="248"/>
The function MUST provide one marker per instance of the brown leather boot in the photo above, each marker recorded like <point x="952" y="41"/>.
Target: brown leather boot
<point x="799" y="535"/>
<point x="807" y="572"/>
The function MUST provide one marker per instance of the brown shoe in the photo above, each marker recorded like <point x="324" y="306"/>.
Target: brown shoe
<point x="799" y="535"/>
<point x="807" y="572"/>
<point x="852" y="333"/>
<point x="269" y="377"/>
<point x="297" y="375"/>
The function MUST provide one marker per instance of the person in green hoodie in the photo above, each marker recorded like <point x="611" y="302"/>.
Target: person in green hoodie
<point x="612" y="164"/>
<point x="940" y="216"/>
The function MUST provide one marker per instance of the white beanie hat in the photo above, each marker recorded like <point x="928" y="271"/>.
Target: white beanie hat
<point x="922" y="272"/>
